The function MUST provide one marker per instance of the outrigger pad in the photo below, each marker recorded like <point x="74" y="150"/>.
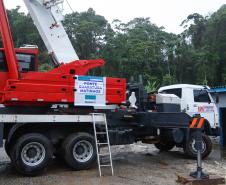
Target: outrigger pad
<point x="199" y="174"/>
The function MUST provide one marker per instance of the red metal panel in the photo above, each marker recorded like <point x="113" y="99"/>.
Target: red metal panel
<point x="32" y="97"/>
<point x="80" y="67"/>
<point x="30" y="91"/>
<point x="23" y="93"/>
<point x="46" y="88"/>
<point x="47" y="77"/>
<point x="3" y="77"/>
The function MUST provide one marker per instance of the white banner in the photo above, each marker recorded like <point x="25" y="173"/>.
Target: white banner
<point x="90" y="91"/>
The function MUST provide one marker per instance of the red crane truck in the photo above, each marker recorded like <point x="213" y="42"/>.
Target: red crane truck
<point x="46" y="114"/>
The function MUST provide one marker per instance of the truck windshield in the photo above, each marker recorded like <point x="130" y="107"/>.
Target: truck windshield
<point x="26" y="62"/>
<point x="201" y="96"/>
<point x="177" y="92"/>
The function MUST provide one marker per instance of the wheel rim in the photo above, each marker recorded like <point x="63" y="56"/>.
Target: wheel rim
<point x="33" y="154"/>
<point x="194" y="149"/>
<point x="83" y="151"/>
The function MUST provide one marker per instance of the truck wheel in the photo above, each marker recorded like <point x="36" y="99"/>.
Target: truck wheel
<point x="31" y="154"/>
<point x="164" y="146"/>
<point x="79" y="151"/>
<point x="206" y="146"/>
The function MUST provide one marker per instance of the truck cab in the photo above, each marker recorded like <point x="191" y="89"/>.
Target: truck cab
<point x="195" y="99"/>
<point x="27" y="59"/>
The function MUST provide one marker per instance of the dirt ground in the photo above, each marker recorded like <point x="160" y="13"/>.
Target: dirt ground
<point x="133" y="164"/>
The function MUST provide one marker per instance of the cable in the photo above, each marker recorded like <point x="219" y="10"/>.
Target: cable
<point x="69" y="6"/>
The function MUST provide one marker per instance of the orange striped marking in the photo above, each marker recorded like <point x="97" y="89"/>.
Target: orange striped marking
<point x="200" y="123"/>
<point x="193" y="123"/>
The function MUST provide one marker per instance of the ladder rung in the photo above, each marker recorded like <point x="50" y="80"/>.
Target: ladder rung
<point x="105" y="165"/>
<point x="104" y="154"/>
<point x="101" y="132"/>
<point x="100" y="122"/>
<point x="102" y="143"/>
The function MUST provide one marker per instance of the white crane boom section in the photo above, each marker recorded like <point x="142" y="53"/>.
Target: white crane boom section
<point x="47" y="16"/>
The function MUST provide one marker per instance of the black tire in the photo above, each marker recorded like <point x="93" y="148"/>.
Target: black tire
<point x="164" y="146"/>
<point x="31" y="147"/>
<point x="191" y="151"/>
<point x="7" y="148"/>
<point x="79" y="142"/>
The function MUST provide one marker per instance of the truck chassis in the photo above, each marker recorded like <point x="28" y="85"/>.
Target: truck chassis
<point x="57" y="135"/>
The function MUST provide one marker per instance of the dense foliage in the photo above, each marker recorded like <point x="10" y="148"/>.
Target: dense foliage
<point x="139" y="47"/>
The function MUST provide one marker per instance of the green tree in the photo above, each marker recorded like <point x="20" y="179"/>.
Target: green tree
<point x="139" y="47"/>
<point x="206" y="38"/>
<point x="86" y="31"/>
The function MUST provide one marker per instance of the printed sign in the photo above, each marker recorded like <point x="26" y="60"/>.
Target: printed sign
<point x="90" y="91"/>
<point x="93" y="85"/>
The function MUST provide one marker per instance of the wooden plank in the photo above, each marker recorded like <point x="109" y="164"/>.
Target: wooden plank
<point x="213" y="180"/>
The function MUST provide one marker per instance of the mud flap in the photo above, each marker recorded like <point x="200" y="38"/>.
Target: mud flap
<point x="1" y="134"/>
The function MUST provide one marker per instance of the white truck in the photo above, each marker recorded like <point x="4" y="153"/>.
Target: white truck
<point x="194" y="99"/>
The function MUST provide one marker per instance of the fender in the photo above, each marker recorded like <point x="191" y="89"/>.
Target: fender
<point x="35" y="127"/>
<point x="207" y="127"/>
<point x="13" y="130"/>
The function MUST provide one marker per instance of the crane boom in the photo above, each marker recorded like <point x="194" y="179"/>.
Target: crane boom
<point x="47" y="16"/>
<point x="8" y="43"/>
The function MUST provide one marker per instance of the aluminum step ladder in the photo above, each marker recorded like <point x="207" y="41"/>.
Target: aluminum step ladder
<point x="98" y="133"/>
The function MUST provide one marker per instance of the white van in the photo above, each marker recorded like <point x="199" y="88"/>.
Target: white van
<point x="195" y="99"/>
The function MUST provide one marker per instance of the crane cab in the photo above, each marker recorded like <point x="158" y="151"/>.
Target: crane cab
<point x="27" y="59"/>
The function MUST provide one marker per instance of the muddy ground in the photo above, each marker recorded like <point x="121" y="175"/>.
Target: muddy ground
<point x="133" y="164"/>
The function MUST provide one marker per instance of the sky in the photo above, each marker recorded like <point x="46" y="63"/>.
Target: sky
<point x="166" y="13"/>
